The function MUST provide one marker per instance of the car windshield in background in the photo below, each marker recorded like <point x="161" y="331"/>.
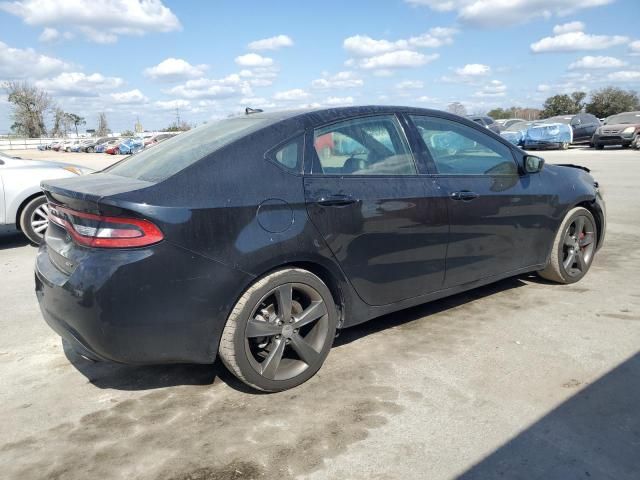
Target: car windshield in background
<point x="623" y="118"/>
<point x="514" y="127"/>
<point x="177" y="153"/>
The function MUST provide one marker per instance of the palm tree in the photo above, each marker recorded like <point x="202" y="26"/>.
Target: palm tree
<point x="76" y="120"/>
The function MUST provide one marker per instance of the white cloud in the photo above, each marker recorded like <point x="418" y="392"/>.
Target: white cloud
<point x="345" y="79"/>
<point x="397" y="59"/>
<point x="173" y="69"/>
<point x="589" y="63"/>
<point x="569" y="27"/>
<point x="172" y="104"/>
<point x="473" y="70"/>
<point x="16" y="63"/>
<point x="288" y="95"/>
<point x="256" y="102"/>
<point x="409" y="85"/>
<point x="499" y="13"/>
<point x="543" y="87"/>
<point x="635" y="47"/>
<point x="260" y="76"/>
<point x="253" y="60"/>
<point x="50" y="35"/>
<point x="365" y="46"/>
<point x="128" y="98"/>
<point x="212" y="88"/>
<point x="272" y="43"/>
<point x="78" y="84"/>
<point x="624" y="76"/>
<point x="576" y="41"/>
<point x="495" y="88"/>
<point x="426" y="99"/>
<point x="335" y="101"/>
<point x="103" y="23"/>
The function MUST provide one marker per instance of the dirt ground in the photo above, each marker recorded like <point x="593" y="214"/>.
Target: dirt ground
<point x="520" y="379"/>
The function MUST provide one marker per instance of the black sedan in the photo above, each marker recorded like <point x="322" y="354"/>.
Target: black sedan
<point x="257" y="237"/>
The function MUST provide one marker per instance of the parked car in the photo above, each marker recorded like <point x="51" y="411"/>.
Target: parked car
<point x="244" y="238"/>
<point x="130" y="146"/>
<point x="487" y="122"/>
<point x="583" y="125"/>
<point x="507" y="122"/>
<point x="102" y="147"/>
<point x="620" y="129"/>
<point x="515" y="132"/>
<point x="540" y="135"/>
<point x="90" y="147"/>
<point x="55" y="146"/>
<point x="22" y="202"/>
<point x="80" y="146"/>
<point x="158" y="138"/>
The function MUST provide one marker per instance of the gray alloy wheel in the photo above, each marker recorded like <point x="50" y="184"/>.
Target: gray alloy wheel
<point x="574" y="248"/>
<point x="280" y="331"/>
<point x="564" y="146"/>
<point x="34" y="219"/>
<point x="90" y="150"/>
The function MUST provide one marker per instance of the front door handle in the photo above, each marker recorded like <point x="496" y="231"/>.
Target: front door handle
<point x="464" y="195"/>
<point x="336" y="200"/>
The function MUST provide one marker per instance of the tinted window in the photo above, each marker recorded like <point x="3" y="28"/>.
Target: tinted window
<point x="459" y="150"/>
<point x="288" y="156"/>
<point x="488" y="120"/>
<point x="177" y="153"/>
<point x="364" y="146"/>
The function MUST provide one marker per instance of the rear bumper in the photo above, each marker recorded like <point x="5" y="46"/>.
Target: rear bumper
<point x="139" y="306"/>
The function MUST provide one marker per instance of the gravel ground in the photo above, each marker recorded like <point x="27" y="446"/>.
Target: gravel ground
<point x="520" y="379"/>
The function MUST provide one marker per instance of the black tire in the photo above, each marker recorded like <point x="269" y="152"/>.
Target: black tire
<point x="31" y="217"/>
<point x="90" y="150"/>
<point x="599" y="146"/>
<point x="574" y="248"/>
<point x="269" y="353"/>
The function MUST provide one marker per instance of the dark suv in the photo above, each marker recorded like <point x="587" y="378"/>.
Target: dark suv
<point x="487" y="122"/>
<point x="620" y="129"/>
<point x="583" y="125"/>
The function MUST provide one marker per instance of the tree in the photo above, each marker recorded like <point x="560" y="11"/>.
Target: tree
<point x="611" y="100"/>
<point x="75" y="120"/>
<point x="178" y="127"/>
<point x="127" y="133"/>
<point x="103" y="126"/>
<point x="60" y="123"/>
<point x="29" y="105"/>
<point x="498" y="113"/>
<point x="457" y="108"/>
<point x="563" y="104"/>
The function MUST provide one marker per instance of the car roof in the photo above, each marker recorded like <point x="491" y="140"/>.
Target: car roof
<point x="318" y="116"/>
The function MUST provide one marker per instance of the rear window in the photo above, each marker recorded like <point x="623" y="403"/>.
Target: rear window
<point x="177" y="153"/>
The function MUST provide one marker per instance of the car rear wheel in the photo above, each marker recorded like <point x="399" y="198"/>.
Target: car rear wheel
<point x="34" y="219"/>
<point x="90" y="150"/>
<point x="280" y="331"/>
<point x="599" y="146"/>
<point x="564" y="146"/>
<point x="573" y="249"/>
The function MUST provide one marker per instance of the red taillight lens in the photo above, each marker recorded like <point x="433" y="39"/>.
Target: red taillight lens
<point x="101" y="231"/>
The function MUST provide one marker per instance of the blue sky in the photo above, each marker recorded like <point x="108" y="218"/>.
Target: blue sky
<point x="144" y="59"/>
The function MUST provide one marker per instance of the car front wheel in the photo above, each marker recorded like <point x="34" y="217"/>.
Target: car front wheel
<point x="280" y="330"/>
<point x="34" y="219"/>
<point x="573" y="248"/>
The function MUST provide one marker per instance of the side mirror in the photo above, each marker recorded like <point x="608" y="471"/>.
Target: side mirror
<point x="533" y="164"/>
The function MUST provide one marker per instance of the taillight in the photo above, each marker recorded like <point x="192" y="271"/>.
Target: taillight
<point x="101" y="231"/>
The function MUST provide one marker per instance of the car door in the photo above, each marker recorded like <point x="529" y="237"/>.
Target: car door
<point x="496" y="215"/>
<point x="386" y="228"/>
<point x="578" y="128"/>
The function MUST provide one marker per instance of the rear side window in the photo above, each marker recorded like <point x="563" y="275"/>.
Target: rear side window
<point x="175" y="154"/>
<point x="363" y="146"/>
<point x="288" y="156"/>
<point x="460" y="150"/>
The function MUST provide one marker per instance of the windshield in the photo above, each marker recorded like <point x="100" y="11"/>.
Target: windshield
<point x="514" y="127"/>
<point x="177" y="153"/>
<point x="633" y="117"/>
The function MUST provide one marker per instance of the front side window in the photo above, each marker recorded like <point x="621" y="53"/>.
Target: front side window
<point x="460" y="150"/>
<point x="363" y="146"/>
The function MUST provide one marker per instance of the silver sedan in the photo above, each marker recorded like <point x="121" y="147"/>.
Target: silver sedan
<point x="22" y="202"/>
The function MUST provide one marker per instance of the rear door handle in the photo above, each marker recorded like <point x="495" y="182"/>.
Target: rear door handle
<point x="464" y="195"/>
<point x="336" y="200"/>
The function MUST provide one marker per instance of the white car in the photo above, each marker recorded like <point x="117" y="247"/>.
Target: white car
<point x="22" y="202"/>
